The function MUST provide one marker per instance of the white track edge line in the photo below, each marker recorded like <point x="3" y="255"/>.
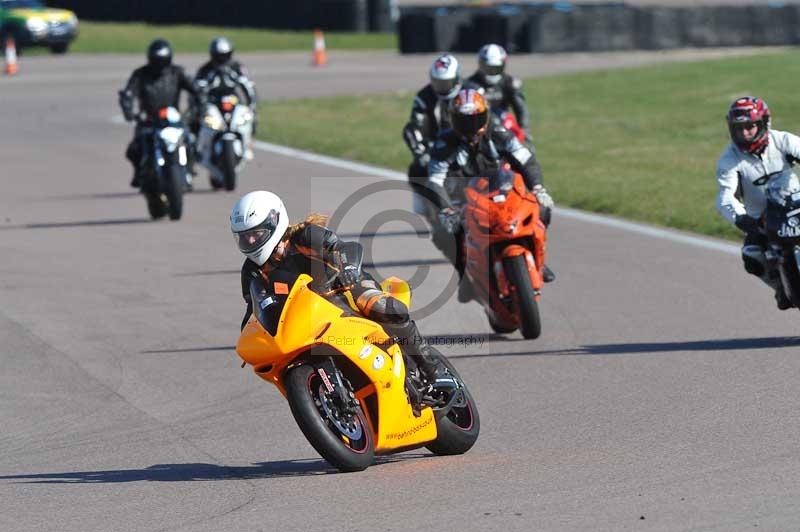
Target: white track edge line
<point x="607" y="221"/>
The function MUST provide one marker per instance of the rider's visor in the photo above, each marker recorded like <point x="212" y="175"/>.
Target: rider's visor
<point x="742" y="126"/>
<point x="252" y="239"/>
<point x="492" y="70"/>
<point x="443" y="87"/>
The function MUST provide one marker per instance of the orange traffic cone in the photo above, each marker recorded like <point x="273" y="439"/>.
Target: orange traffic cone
<point x="11" y="57"/>
<point x="320" y="57"/>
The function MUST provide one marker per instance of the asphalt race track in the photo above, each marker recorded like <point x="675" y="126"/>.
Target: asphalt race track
<point x="662" y="394"/>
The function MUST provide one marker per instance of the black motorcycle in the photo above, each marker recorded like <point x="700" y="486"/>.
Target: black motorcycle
<point x="163" y="168"/>
<point x="782" y="221"/>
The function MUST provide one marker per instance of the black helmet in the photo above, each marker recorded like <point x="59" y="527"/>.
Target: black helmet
<point x="221" y="50"/>
<point x="159" y="54"/>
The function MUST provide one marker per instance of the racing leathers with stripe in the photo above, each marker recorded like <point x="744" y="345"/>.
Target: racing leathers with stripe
<point x="153" y="88"/>
<point x="216" y="80"/>
<point x="430" y="114"/>
<point x="318" y="252"/>
<point x="457" y="159"/>
<point x="504" y="96"/>
<point x="742" y="179"/>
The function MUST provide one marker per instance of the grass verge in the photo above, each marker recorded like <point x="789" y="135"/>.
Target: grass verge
<point x="637" y="143"/>
<point x="108" y="37"/>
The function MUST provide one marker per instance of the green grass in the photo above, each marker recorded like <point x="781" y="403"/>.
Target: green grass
<point x="637" y="143"/>
<point x="106" y="37"/>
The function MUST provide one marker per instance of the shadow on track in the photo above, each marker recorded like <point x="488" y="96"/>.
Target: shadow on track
<point x="384" y="264"/>
<point x="209" y="272"/>
<point x="411" y="262"/>
<point x="113" y="195"/>
<point x="86" y="223"/>
<point x="433" y="339"/>
<point x="189" y="350"/>
<point x="383" y="234"/>
<point x="731" y="344"/>
<point x="199" y="472"/>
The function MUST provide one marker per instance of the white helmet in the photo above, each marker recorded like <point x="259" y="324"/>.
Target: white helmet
<point x="445" y="76"/>
<point x="492" y="62"/>
<point x="258" y="222"/>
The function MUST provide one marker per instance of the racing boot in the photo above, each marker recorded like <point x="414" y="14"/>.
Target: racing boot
<point x="415" y="347"/>
<point x="773" y="280"/>
<point x="466" y="293"/>
<point x="136" y="182"/>
<point x="547" y="274"/>
<point x="782" y="301"/>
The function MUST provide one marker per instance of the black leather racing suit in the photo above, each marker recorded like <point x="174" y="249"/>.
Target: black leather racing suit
<point x="504" y="96"/>
<point x="318" y="252"/>
<point x="453" y="157"/>
<point x="153" y="88"/>
<point x="429" y="116"/>
<point x="216" y="80"/>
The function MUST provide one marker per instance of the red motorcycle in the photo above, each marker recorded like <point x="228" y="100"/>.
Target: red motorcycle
<point x="509" y="122"/>
<point x="504" y="251"/>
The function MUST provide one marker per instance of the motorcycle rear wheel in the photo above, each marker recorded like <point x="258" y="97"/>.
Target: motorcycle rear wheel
<point x="457" y="431"/>
<point x="306" y="394"/>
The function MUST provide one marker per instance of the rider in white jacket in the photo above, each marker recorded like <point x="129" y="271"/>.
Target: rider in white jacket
<point x="755" y="154"/>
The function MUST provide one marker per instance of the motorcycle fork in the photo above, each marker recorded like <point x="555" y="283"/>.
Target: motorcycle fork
<point x="337" y="386"/>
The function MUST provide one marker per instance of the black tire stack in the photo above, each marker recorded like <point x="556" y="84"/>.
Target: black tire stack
<point x="564" y="27"/>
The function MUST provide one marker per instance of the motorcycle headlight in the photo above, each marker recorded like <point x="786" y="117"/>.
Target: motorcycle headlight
<point x="171" y="135"/>
<point x="36" y="25"/>
<point x="215" y="122"/>
<point x="245" y="118"/>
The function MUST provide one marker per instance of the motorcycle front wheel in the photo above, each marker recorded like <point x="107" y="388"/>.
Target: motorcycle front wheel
<point x="517" y="272"/>
<point x="228" y="163"/>
<point x="343" y="439"/>
<point x="174" y="192"/>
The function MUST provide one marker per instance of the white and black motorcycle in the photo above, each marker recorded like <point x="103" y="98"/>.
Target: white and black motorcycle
<point x="163" y="170"/>
<point x="224" y="140"/>
<point x="782" y="221"/>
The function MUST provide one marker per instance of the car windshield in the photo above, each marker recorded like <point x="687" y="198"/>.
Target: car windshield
<point x="12" y="4"/>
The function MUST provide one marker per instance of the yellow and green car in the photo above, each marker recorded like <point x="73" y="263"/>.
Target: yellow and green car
<point x="31" y="23"/>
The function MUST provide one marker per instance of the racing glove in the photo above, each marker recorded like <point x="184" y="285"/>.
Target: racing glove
<point x="544" y="199"/>
<point x="748" y="224"/>
<point x="450" y="219"/>
<point x="349" y="274"/>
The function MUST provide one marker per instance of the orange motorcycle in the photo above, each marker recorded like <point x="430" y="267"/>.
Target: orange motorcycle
<point x="504" y="251"/>
<point x="345" y="378"/>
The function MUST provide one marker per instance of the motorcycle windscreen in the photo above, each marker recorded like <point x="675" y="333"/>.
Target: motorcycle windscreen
<point x="269" y="299"/>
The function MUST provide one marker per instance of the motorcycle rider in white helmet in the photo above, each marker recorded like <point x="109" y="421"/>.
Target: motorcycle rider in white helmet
<point x="502" y="91"/>
<point x="429" y="116"/>
<point x="260" y="226"/>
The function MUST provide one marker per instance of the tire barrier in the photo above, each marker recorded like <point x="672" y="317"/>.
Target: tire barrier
<point x="659" y="28"/>
<point x="337" y="15"/>
<point x="565" y="27"/>
<point x="435" y="30"/>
